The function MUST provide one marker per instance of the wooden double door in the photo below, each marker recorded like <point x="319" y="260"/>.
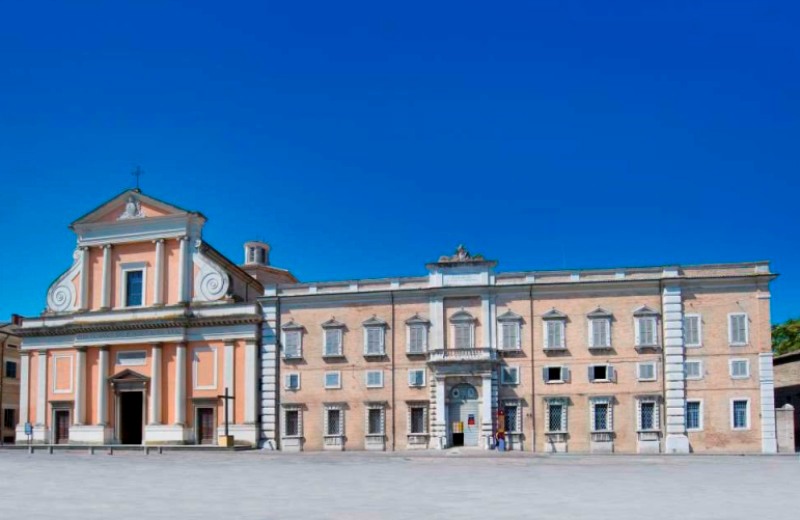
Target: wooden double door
<point x="206" y="431"/>
<point x="61" y="419"/>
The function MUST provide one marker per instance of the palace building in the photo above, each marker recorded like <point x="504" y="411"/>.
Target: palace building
<point x="150" y="325"/>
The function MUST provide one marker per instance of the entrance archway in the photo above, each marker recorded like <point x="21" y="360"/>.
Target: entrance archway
<point x="464" y="421"/>
<point x="129" y="388"/>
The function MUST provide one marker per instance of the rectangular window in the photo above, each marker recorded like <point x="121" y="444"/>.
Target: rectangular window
<point x="11" y="369"/>
<point x="132" y="358"/>
<point x="509" y="375"/>
<point x="556" y="416"/>
<point x="737" y="329"/>
<point x="511" y="414"/>
<point x="292" y="345"/>
<point x="601" y="415"/>
<point x="740" y="419"/>
<point x="373" y="341"/>
<point x="510" y="334"/>
<point x="333" y="379"/>
<point x="292" y="423"/>
<point x="463" y="335"/>
<point x="416" y="377"/>
<point x="416" y="339"/>
<point x="694" y="369"/>
<point x="646" y="334"/>
<point x="374" y="378"/>
<point x="601" y="373"/>
<point x="333" y="421"/>
<point x="692" y="333"/>
<point x="647" y="415"/>
<point x="9" y="418"/>
<point x="694" y="415"/>
<point x="740" y="368"/>
<point x="417" y="422"/>
<point x="646" y="371"/>
<point x="374" y="421"/>
<point x="600" y="333"/>
<point x="554" y="334"/>
<point x="134" y="296"/>
<point x="555" y="374"/>
<point x="292" y="381"/>
<point x="333" y="342"/>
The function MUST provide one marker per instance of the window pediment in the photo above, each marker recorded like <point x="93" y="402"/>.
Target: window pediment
<point x="599" y="313"/>
<point x="462" y="316"/>
<point x="554" y="314"/>
<point x="333" y="324"/>
<point x="509" y="315"/>
<point x="644" y="310"/>
<point x="416" y="319"/>
<point x="292" y="325"/>
<point x="374" y="321"/>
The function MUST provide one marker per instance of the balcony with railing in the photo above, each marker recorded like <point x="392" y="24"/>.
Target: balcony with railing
<point x="462" y="355"/>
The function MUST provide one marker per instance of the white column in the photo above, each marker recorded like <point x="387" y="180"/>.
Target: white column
<point x="766" y="380"/>
<point x="155" y="386"/>
<point x="84" y="296"/>
<point x="228" y="376"/>
<point x="180" y="384"/>
<point x="250" y="381"/>
<point x="106" y="296"/>
<point x="439" y="429"/>
<point x="25" y="390"/>
<point x="183" y="269"/>
<point x="158" y="292"/>
<point x="41" y="388"/>
<point x="79" y="418"/>
<point x="486" y="409"/>
<point x="674" y="375"/>
<point x="102" y="387"/>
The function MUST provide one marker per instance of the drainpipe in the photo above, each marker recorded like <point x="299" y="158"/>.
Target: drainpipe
<point x="394" y="427"/>
<point x="278" y="385"/>
<point x="663" y="408"/>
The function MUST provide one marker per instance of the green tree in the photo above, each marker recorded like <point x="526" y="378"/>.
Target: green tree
<point x="786" y="337"/>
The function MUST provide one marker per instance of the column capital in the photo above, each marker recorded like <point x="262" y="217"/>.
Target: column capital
<point x="24" y="353"/>
<point x="104" y="348"/>
<point x="80" y="349"/>
<point x="107" y="246"/>
<point x="158" y="241"/>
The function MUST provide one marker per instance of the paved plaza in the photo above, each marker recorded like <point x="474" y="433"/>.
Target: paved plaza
<point x="451" y="485"/>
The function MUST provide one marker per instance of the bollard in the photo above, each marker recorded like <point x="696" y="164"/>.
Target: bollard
<point x="146" y="450"/>
<point x="50" y="449"/>
<point x="160" y="450"/>
<point x="30" y="450"/>
<point x="110" y="450"/>
<point x="91" y="450"/>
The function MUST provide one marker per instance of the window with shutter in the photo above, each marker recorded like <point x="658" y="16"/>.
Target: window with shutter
<point x="600" y="337"/>
<point x="374" y="379"/>
<point x="333" y="342"/>
<point x="416" y="377"/>
<point x="738" y="329"/>
<point x="554" y="334"/>
<point x="646" y="371"/>
<point x="740" y="368"/>
<point x="691" y="330"/>
<point x="373" y="338"/>
<point x="333" y="380"/>
<point x="646" y="331"/>
<point x="510" y="335"/>
<point x="554" y="374"/>
<point x="601" y="373"/>
<point x="509" y="375"/>
<point x="292" y="381"/>
<point x="693" y="369"/>
<point x="463" y="335"/>
<point x="291" y="344"/>
<point x="416" y="339"/>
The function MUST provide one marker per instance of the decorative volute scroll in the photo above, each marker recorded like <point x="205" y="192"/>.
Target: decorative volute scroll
<point x="62" y="296"/>
<point x="211" y="282"/>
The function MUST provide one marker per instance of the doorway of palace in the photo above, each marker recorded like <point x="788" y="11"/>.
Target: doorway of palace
<point x="61" y="420"/>
<point x="205" y="426"/>
<point x="463" y="415"/>
<point x="131" y="417"/>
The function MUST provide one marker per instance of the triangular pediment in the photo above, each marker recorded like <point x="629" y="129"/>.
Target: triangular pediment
<point x="599" y="313"/>
<point x="554" y="314"/>
<point x="130" y="205"/>
<point x="332" y="323"/>
<point x="509" y="315"/>
<point x="374" y="321"/>
<point x="644" y="310"/>
<point x="128" y="376"/>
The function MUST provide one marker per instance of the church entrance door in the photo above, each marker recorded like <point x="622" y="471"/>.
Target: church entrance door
<point x="131" y="417"/>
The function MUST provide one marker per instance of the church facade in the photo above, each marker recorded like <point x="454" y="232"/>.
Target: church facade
<point x="147" y="329"/>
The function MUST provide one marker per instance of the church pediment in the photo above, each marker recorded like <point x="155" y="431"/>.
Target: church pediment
<point x="128" y="377"/>
<point x="129" y="205"/>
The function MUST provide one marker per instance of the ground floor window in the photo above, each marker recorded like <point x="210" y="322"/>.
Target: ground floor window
<point x="292" y="425"/>
<point x="600" y="414"/>
<point x="374" y="421"/>
<point x="511" y="416"/>
<point x="694" y="415"/>
<point x="740" y="414"/>
<point x="648" y="413"/>
<point x="418" y="419"/>
<point x="334" y="421"/>
<point x="556" y="415"/>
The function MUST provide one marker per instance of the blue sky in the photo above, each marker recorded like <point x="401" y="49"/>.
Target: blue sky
<point x="364" y="139"/>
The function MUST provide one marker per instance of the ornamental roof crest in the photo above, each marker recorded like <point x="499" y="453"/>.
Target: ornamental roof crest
<point x="462" y="255"/>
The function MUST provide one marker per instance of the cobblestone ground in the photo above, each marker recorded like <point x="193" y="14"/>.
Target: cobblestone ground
<point x="261" y="485"/>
